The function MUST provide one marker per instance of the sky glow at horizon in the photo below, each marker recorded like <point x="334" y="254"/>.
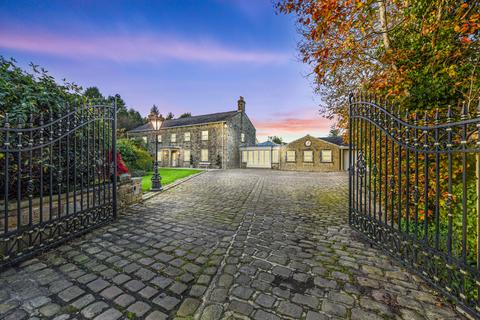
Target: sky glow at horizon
<point x="183" y="56"/>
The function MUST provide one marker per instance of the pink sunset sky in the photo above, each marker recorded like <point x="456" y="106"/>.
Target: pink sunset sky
<point x="182" y="57"/>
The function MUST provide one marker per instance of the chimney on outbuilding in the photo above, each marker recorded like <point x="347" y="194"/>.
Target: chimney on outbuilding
<point x="241" y="104"/>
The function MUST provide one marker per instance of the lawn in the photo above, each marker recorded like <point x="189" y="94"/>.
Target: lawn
<point x="168" y="176"/>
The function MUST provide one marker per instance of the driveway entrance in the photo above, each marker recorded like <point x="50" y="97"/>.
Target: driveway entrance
<point x="235" y="244"/>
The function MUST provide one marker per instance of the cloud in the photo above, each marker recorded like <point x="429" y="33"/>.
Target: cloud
<point x="292" y="125"/>
<point x="133" y="48"/>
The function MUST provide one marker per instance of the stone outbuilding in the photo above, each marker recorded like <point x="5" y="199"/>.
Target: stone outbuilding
<point x="305" y="154"/>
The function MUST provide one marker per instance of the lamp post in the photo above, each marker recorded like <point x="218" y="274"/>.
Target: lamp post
<point x="156" y="178"/>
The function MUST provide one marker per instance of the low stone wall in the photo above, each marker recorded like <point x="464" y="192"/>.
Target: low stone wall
<point x="129" y="192"/>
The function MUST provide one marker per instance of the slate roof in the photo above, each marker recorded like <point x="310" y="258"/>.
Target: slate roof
<point x="206" y="118"/>
<point x="201" y="119"/>
<point x="144" y="127"/>
<point x="267" y="144"/>
<point x="335" y="140"/>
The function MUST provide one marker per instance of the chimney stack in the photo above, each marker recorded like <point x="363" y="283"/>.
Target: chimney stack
<point x="241" y="104"/>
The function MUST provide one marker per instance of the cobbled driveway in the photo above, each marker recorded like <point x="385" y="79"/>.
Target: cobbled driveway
<point x="237" y="244"/>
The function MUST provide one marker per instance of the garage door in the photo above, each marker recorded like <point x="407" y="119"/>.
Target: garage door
<point x="259" y="159"/>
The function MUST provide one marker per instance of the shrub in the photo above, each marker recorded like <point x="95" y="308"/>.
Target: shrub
<point x="135" y="155"/>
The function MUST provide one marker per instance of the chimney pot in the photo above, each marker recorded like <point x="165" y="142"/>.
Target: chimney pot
<point x="241" y="104"/>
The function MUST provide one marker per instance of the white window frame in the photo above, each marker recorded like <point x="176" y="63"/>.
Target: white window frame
<point x="289" y="156"/>
<point x="173" y="137"/>
<point x="322" y="156"/>
<point x="159" y="138"/>
<point x="205" y="135"/>
<point x="310" y="158"/>
<point x="160" y="155"/>
<point x="242" y="137"/>
<point x="186" y="136"/>
<point x="145" y="139"/>
<point x="186" y="155"/>
<point x="204" y="155"/>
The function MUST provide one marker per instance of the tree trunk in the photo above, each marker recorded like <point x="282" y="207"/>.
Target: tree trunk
<point x="383" y="24"/>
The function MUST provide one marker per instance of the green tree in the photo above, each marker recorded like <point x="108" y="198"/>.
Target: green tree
<point x="170" y="116"/>
<point x="155" y="110"/>
<point x="93" y="94"/>
<point x="23" y="94"/>
<point x="277" y="140"/>
<point x="185" y="115"/>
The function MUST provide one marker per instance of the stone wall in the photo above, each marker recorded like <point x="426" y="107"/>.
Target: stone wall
<point x="238" y="124"/>
<point x="214" y="144"/>
<point x="129" y="192"/>
<point x="316" y="146"/>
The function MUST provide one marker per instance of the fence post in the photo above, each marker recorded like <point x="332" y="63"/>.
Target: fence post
<point x="350" y="157"/>
<point x="477" y="165"/>
<point x="114" y="158"/>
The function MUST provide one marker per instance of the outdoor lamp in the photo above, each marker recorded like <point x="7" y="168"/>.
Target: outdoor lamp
<point x="156" y="178"/>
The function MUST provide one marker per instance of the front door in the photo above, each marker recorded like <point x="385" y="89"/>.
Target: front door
<point x="174" y="158"/>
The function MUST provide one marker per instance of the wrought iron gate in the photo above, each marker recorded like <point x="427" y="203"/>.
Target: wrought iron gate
<point x="414" y="190"/>
<point x="57" y="177"/>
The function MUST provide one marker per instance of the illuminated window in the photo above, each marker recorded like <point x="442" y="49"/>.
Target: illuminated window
<point x="204" y="156"/>
<point x="326" y="155"/>
<point x="173" y="137"/>
<point x="186" y="136"/>
<point x="242" y="137"/>
<point x="186" y="155"/>
<point x="205" y="135"/>
<point x="160" y="154"/>
<point x="308" y="156"/>
<point x="290" y="156"/>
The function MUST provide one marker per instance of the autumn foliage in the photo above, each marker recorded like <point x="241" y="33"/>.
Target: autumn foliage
<point x="421" y="53"/>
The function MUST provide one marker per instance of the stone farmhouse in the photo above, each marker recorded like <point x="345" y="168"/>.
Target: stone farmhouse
<point x="210" y="140"/>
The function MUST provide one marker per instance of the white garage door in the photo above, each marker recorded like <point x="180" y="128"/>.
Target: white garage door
<point x="259" y="159"/>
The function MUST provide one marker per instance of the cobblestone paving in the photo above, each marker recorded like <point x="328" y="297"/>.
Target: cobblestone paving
<point x="238" y="244"/>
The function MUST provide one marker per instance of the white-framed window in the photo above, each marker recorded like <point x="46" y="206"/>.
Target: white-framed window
<point x="291" y="156"/>
<point x="204" y="155"/>
<point x="205" y="135"/>
<point x="186" y="136"/>
<point x="186" y="155"/>
<point x="308" y="156"/>
<point x="173" y="137"/>
<point x="326" y="156"/>
<point x="250" y="156"/>
<point x="242" y="137"/>
<point x="244" y="156"/>
<point x="145" y="139"/>
<point x="160" y="155"/>
<point x="159" y="138"/>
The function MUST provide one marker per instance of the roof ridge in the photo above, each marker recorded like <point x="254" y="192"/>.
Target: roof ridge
<point x="202" y="115"/>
